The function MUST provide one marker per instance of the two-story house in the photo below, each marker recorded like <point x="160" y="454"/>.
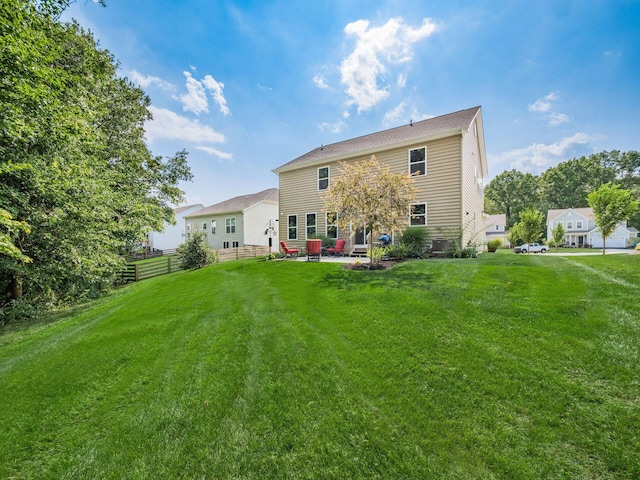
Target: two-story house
<point x="173" y="235"/>
<point x="581" y="229"/>
<point x="445" y="157"/>
<point x="240" y="221"/>
<point x="496" y="227"/>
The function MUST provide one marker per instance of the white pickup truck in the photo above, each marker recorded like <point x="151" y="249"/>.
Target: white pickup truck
<point x="531" y="248"/>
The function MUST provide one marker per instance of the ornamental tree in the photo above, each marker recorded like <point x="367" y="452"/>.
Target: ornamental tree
<point x="529" y="228"/>
<point x="367" y="193"/>
<point x="611" y="205"/>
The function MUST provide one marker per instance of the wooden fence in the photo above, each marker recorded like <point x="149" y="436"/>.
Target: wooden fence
<point x="134" y="272"/>
<point x="137" y="271"/>
<point x="250" y="251"/>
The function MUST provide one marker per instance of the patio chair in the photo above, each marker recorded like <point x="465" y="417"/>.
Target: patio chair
<point x="338" y="249"/>
<point x="288" y="252"/>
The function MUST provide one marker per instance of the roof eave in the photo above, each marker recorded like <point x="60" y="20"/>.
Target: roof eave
<point x="371" y="151"/>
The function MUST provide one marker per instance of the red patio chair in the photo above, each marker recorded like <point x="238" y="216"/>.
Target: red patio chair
<point x="288" y="251"/>
<point x="338" y="249"/>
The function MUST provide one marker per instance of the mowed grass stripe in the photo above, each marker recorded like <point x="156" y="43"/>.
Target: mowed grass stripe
<point x="504" y="366"/>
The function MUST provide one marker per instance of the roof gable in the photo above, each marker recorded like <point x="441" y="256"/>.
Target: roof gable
<point x="239" y="203"/>
<point x="586" y="213"/>
<point x="436" y="127"/>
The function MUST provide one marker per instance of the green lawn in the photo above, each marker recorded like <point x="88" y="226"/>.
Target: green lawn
<point x="506" y="366"/>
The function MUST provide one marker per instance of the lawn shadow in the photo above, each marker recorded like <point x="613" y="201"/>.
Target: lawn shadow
<point x="389" y="279"/>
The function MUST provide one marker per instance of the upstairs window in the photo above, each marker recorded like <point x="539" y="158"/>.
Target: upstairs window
<point x="204" y="226"/>
<point x="323" y="178"/>
<point x="569" y="225"/>
<point x="418" y="214"/>
<point x="230" y="224"/>
<point x="418" y="161"/>
<point x="213" y="226"/>
<point x="579" y="225"/>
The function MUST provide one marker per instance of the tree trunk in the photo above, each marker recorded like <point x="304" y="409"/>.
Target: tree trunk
<point x="16" y="288"/>
<point x="604" y="244"/>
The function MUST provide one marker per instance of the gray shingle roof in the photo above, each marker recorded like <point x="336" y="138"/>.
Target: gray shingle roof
<point x="431" y="127"/>
<point x="178" y="210"/>
<point x="239" y="203"/>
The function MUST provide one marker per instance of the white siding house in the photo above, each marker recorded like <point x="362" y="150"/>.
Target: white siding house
<point x="496" y="227"/>
<point x="173" y="235"/>
<point x="245" y="220"/>
<point x="581" y="230"/>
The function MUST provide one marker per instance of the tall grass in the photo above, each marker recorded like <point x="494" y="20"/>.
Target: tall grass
<point x="499" y="367"/>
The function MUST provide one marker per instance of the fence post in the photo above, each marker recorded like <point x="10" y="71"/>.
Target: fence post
<point x="136" y="272"/>
<point x="169" y="264"/>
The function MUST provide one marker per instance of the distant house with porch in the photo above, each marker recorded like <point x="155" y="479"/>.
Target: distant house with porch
<point x="173" y="235"/>
<point x="445" y="157"/>
<point x="582" y="231"/>
<point x="496" y="227"/>
<point x="245" y="220"/>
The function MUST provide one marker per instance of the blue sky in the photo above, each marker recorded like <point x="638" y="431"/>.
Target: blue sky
<point x="246" y="86"/>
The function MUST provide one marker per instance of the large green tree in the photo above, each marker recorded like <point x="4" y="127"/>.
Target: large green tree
<point x="511" y="192"/>
<point x="73" y="162"/>
<point x="611" y="205"/>
<point x="568" y="184"/>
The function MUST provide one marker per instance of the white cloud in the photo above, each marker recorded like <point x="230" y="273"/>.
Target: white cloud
<point x="392" y="116"/>
<point x="538" y="157"/>
<point x="555" y="119"/>
<point x="216" y="90"/>
<point x="148" y="80"/>
<point x="543" y="105"/>
<point x="377" y="48"/>
<point x="196" y="99"/>
<point x="545" y="108"/>
<point x="169" y="125"/>
<point x="333" y="127"/>
<point x="346" y="114"/>
<point x="402" y="81"/>
<point x="214" y="151"/>
<point x="320" y="82"/>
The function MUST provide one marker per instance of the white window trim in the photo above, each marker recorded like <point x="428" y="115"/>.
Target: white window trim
<point x="426" y="219"/>
<point x="289" y="227"/>
<point x="228" y="226"/>
<point x="424" y="174"/>
<point x="214" y="225"/>
<point x="306" y="226"/>
<point x="327" y="179"/>
<point x="327" y="225"/>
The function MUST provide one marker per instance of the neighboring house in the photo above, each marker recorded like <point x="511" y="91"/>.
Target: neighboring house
<point x="173" y="235"/>
<point x="581" y="230"/>
<point x="496" y="227"/>
<point x="444" y="155"/>
<point x="240" y="221"/>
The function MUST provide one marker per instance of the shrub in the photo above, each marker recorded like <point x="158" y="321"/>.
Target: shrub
<point x="398" y="252"/>
<point x="375" y="254"/>
<point x="196" y="253"/>
<point x="493" y="245"/>
<point x="415" y="239"/>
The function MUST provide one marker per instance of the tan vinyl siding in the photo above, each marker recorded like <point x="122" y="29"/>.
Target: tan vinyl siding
<point x="440" y="188"/>
<point x="472" y="196"/>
